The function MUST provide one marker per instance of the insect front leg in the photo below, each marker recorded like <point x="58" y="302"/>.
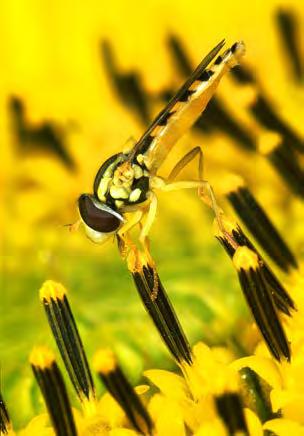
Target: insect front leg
<point x="129" y="250"/>
<point x="74" y="226"/>
<point x="125" y="243"/>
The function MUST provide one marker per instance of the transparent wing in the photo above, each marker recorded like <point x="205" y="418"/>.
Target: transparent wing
<point x="185" y="107"/>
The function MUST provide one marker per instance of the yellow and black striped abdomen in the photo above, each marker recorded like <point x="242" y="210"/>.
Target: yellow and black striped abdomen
<point x="185" y="108"/>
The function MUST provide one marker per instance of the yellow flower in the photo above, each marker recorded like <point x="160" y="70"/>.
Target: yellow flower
<point x="61" y="121"/>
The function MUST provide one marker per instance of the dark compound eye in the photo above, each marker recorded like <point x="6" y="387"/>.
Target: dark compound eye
<point x="98" y="216"/>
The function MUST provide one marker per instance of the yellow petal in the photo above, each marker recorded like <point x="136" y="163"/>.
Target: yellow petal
<point x="122" y="432"/>
<point x="284" y="427"/>
<point x="170" y="384"/>
<point x="212" y="428"/>
<point x="110" y="412"/>
<point x="210" y="372"/>
<point x="253" y="423"/>
<point x="167" y="416"/>
<point x="38" y="427"/>
<point x="291" y="403"/>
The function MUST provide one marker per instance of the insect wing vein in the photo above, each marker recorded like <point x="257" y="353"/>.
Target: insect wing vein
<point x="163" y="114"/>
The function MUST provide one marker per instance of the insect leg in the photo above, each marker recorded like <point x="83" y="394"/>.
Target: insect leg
<point x="149" y="219"/>
<point x="185" y="160"/>
<point x="124" y="242"/>
<point x="74" y="226"/>
<point x="205" y="193"/>
<point x="144" y="240"/>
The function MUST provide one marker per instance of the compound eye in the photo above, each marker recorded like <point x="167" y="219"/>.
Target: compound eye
<point x="98" y="216"/>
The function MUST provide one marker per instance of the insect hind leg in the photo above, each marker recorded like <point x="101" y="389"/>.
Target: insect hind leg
<point x="205" y="190"/>
<point x="185" y="160"/>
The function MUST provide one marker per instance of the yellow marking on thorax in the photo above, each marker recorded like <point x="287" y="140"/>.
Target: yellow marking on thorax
<point x="119" y="192"/>
<point x="109" y="171"/>
<point x="119" y="203"/>
<point x="124" y="171"/>
<point x="138" y="172"/>
<point x="103" y="187"/>
<point x="134" y="195"/>
<point x="122" y="181"/>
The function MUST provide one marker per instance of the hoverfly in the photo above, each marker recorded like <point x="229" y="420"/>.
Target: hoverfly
<point x="123" y="193"/>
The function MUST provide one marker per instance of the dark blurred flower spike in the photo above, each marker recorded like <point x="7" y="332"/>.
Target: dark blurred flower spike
<point x="128" y="86"/>
<point x="44" y="136"/>
<point x="230" y="408"/>
<point x="243" y="75"/>
<point x="265" y="113"/>
<point x="285" y="161"/>
<point x="53" y="390"/>
<point x="289" y="31"/>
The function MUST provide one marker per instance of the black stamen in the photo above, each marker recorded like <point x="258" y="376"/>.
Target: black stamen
<point x="260" y="301"/>
<point x="230" y="409"/>
<point x="54" y="392"/>
<point x="5" y="423"/>
<point x="256" y="220"/>
<point x="278" y="292"/>
<point x="64" y="328"/>
<point x="158" y="305"/>
<point x="234" y="238"/>
<point x="119" y="387"/>
<point x="289" y="32"/>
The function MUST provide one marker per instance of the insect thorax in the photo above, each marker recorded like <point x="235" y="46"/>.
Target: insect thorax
<point x="120" y="183"/>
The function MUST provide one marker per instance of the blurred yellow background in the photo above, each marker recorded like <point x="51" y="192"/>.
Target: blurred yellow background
<point x="51" y="61"/>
